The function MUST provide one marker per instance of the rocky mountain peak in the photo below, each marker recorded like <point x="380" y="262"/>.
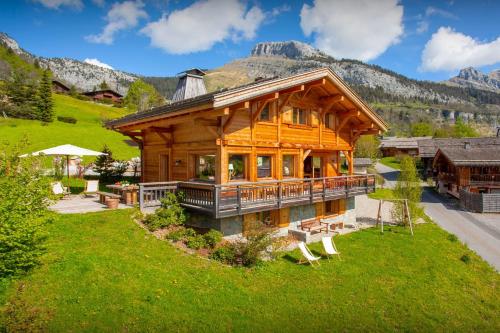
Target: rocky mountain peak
<point x="470" y="73"/>
<point x="471" y="77"/>
<point x="288" y="49"/>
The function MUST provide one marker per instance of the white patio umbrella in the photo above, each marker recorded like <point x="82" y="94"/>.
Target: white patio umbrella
<point x="65" y="150"/>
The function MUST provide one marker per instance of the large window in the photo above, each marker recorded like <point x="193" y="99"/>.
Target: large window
<point x="317" y="167"/>
<point x="299" y="116"/>
<point x="264" y="167"/>
<point x="237" y="167"/>
<point x="330" y="121"/>
<point x="288" y="165"/>
<point x="205" y="167"/>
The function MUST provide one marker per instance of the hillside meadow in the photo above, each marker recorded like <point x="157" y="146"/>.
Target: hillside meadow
<point x="88" y="132"/>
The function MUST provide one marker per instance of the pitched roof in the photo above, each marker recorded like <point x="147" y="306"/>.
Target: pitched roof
<point x="227" y="97"/>
<point x="102" y="91"/>
<point x="472" y="156"/>
<point x="362" y="161"/>
<point x="401" y="143"/>
<point x="429" y="147"/>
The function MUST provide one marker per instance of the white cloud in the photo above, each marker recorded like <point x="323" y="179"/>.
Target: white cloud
<point x="55" y="4"/>
<point x="422" y="27"/>
<point x="96" y="62"/>
<point x="451" y="50"/>
<point x="204" y="23"/>
<point x="121" y="16"/>
<point x="440" y="12"/>
<point x="359" y="29"/>
<point x="99" y="3"/>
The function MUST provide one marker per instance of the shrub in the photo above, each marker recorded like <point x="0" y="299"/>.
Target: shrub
<point x="213" y="237"/>
<point x="24" y="194"/>
<point x="69" y="120"/>
<point x="224" y="254"/>
<point x="452" y="238"/>
<point x="465" y="258"/>
<point x="181" y="234"/>
<point x="196" y="242"/>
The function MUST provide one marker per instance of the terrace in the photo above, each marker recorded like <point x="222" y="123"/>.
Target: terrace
<point x="231" y="199"/>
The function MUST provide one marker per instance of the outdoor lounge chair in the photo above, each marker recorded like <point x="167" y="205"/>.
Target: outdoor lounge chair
<point x="329" y="246"/>
<point x="91" y="187"/>
<point x="308" y="255"/>
<point x="59" y="189"/>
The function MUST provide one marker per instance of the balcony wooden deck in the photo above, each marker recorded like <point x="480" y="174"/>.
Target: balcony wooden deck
<point x="233" y="199"/>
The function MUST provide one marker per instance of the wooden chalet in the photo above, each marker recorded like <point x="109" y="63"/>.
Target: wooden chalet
<point x="268" y="151"/>
<point x="393" y="146"/>
<point x="106" y="94"/>
<point x="59" y="87"/>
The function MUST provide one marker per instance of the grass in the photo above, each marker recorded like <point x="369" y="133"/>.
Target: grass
<point x="103" y="273"/>
<point x="382" y="193"/>
<point x="88" y="132"/>
<point x="391" y="161"/>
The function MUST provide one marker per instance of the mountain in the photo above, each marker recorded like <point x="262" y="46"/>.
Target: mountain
<point x="472" y="78"/>
<point x="82" y="75"/>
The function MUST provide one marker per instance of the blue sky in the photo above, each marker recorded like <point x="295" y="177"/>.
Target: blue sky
<point x="428" y="40"/>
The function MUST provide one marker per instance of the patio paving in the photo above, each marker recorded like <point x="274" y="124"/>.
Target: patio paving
<point x="76" y="204"/>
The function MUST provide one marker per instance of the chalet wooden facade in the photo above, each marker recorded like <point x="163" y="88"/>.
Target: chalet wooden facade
<point x="106" y="94"/>
<point x="59" y="87"/>
<point x="267" y="151"/>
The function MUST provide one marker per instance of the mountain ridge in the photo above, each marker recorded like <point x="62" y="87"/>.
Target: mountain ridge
<point x="471" y="77"/>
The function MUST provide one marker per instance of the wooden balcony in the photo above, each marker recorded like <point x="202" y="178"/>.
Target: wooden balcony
<point x="233" y="199"/>
<point x="485" y="180"/>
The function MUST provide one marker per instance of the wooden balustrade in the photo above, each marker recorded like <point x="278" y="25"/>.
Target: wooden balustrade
<point x="239" y="198"/>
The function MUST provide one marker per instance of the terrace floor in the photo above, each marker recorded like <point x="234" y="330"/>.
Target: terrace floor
<point x="77" y="204"/>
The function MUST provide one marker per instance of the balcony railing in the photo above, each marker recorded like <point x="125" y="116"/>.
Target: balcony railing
<point x="485" y="180"/>
<point x="233" y="199"/>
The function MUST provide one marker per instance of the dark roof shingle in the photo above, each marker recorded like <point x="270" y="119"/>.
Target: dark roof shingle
<point x="472" y="156"/>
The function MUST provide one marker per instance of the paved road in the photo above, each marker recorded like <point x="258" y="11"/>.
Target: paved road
<point x="481" y="232"/>
<point x="390" y="174"/>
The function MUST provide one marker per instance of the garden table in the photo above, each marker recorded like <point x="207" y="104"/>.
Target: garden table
<point x="128" y="193"/>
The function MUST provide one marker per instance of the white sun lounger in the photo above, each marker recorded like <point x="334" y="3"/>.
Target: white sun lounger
<point x="329" y="246"/>
<point x="308" y="255"/>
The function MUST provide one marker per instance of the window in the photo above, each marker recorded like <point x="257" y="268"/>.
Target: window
<point x="205" y="167"/>
<point x="317" y="169"/>
<point x="288" y="165"/>
<point x="265" y="114"/>
<point x="237" y="167"/>
<point x="330" y="121"/>
<point x="264" y="167"/>
<point x="299" y="116"/>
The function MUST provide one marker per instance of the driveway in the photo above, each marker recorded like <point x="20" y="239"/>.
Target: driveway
<point x="480" y="232"/>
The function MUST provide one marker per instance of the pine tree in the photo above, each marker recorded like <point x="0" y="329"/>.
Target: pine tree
<point x="45" y="104"/>
<point x="104" y="85"/>
<point x="103" y="164"/>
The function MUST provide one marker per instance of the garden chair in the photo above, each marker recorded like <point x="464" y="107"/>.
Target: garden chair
<point x="329" y="246"/>
<point x="91" y="187"/>
<point x="59" y="189"/>
<point x="308" y="255"/>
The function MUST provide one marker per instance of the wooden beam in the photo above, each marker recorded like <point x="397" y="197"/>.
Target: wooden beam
<point x="263" y="105"/>
<point x="306" y="153"/>
<point x="328" y="100"/>
<point x="311" y="85"/>
<point x="347" y="117"/>
<point x="241" y="106"/>
<point x="293" y="90"/>
<point x="229" y="120"/>
<point x="206" y="122"/>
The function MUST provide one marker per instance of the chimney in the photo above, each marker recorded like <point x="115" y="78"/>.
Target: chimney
<point x="466" y="145"/>
<point x="190" y="85"/>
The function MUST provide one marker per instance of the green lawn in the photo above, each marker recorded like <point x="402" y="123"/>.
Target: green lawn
<point x="103" y="273"/>
<point x="88" y="132"/>
<point x="391" y="161"/>
<point x="382" y="193"/>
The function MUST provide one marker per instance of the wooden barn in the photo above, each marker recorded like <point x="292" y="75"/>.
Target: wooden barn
<point x="59" y="87"/>
<point x="266" y="151"/>
<point x="106" y="94"/>
<point x="393" y="146"/>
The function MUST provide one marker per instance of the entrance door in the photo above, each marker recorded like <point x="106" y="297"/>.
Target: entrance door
<point x="313" y="167"/>
<point x="163" y="168"/>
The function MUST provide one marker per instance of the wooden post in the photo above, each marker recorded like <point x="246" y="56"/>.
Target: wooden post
<point x="311" y="188"/>
<point x="279" y="194"/>
<point x="409" y="217"/>
<point x="238" y="199"/>
<point x="216" y="193"/>
<point x="141" y="197"/>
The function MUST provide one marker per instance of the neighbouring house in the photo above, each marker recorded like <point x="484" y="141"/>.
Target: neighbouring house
<point x="59" y="87"/>
<point x="361" y="164"/>
<point x="427" y="148"/>
<point x="471" y="174"/>
<point x="268" y="151"/>
<point x="105" y="95"/>
<point x="392" y="146"/>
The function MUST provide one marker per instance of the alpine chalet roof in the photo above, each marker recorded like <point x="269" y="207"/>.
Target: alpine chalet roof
<point x="429" y="147"/>
<point x="227" y="97"/>
<point x="362" y="161"/>
<point x="401" y="143"/>
<point x="472" y="156"/>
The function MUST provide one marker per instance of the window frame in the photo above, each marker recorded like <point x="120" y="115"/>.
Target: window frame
<point x="294" y="163"/>
<point x="305" y="113"/>
<point x="271" y="166"/>
<point x="195" y="158"/>
<point x="327" y="115"/>
<point x="246" y="173"/>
